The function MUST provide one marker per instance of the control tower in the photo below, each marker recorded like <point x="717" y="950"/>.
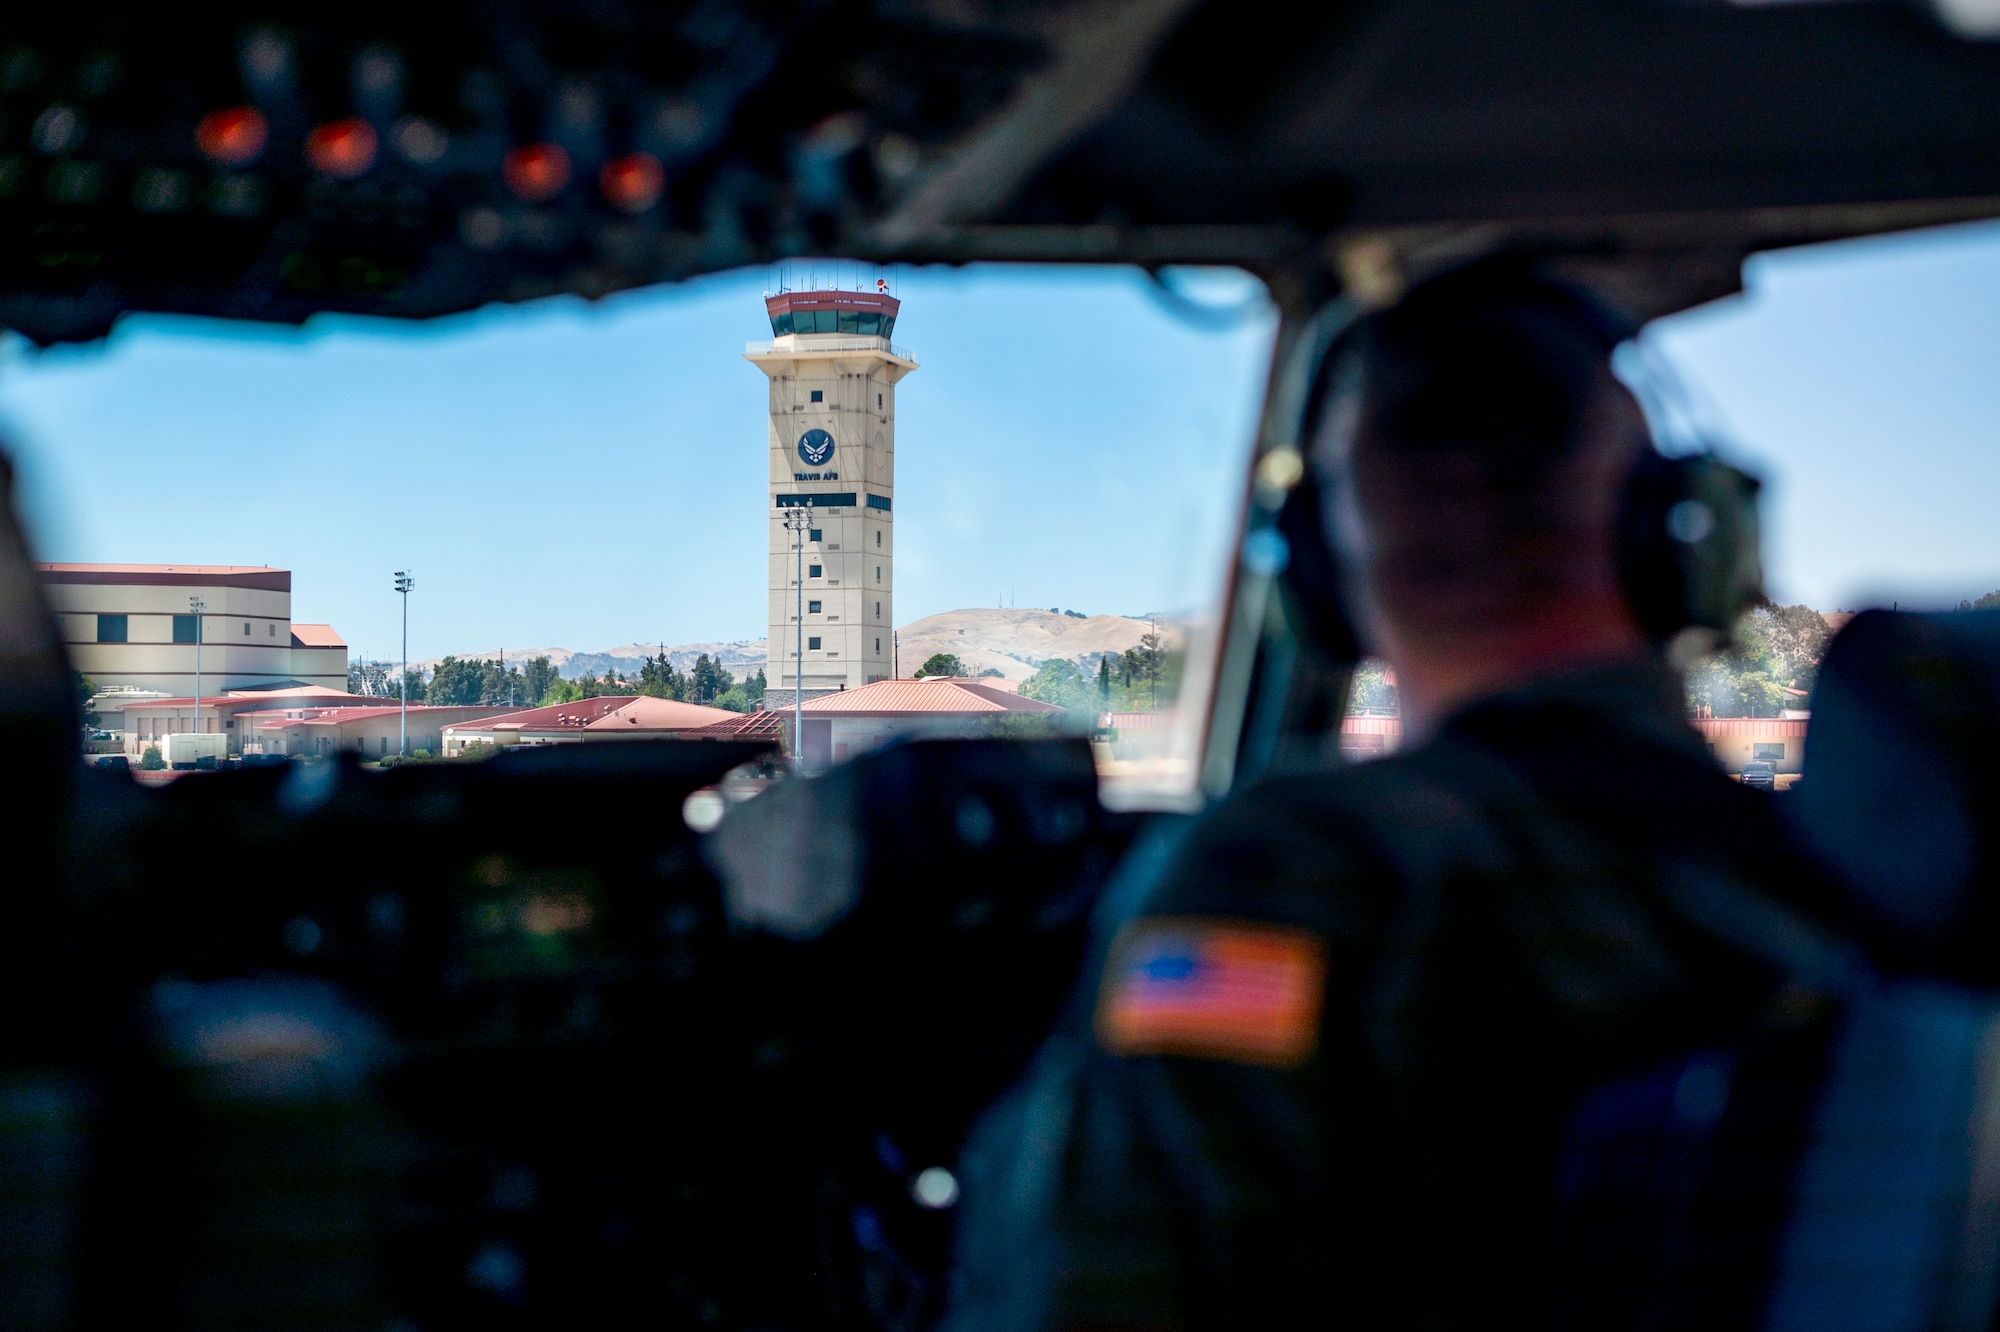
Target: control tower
<point x="833" y="373"/>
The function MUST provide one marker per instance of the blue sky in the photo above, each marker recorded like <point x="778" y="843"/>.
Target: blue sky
<point x="581" y="476"/>
<point x="1864" y="380"/>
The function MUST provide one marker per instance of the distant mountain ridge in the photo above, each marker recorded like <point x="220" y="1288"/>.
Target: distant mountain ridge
<point x="739" y="659"/>
<point x="1014" y="642"/>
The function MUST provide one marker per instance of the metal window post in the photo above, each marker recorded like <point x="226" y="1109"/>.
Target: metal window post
<point x="404" y="582"/>
<point x="197" y="605"/>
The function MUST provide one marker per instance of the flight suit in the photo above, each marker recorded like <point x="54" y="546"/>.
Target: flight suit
<point x="1328" y="1062"/>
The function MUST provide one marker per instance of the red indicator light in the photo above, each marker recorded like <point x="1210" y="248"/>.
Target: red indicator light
<point x="235" y="137"/>
<point x="342" y="149"/>
<point x="536" y="173"/>
<point x="633" y="182"/>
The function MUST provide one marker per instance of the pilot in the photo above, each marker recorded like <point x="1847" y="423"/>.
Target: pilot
<point x="1330" y="1054"/>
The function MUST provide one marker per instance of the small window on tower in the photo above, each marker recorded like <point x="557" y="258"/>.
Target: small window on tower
<point x="878" y="645"/>
<point x="878" y="610"/>
<point x="812" y="608"/>
<point x="878" y="536"/>
<point x="246" y="628"/>
<point x="878" y="400"/>
<point x="878" y="573"/>
<point x="812" y="571"/>
<point x="819" y="396"/>
<point x="812" y="644"/>
<point x="812" y="534"/>
<point x="270" y="631"/>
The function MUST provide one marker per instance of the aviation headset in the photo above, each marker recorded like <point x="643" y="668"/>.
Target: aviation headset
<point x="1688" y="532"/>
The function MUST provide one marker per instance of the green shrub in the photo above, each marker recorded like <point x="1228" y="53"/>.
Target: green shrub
<point x="150" y="761"/>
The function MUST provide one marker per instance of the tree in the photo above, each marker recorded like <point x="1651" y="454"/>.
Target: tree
<point x="150" y="761"/>
<point x="413" y="682"/>
<point x="942" y="663"/>
<point x="455" y="683"/>
<point x="1150" y="673"/>
<point x="659" y="679"/>
<point x="753" y="686"/>
<point x="1104" y="683"/>
<point x="1371" y="690"/>
<point x="1796" y="637"/>
<point x="1062" y="683"/>
<point x="86" y="688"/>
<point x="1745" y="680"/>
<point x="707" y="679"/>
<point x="735" y="698"/>
<point x="536" y="679"/>
<point x="1025" y="725"/>
<point x="1990" y="601"/>
<point x="560" y="691"/>
<point x="500" y="683"/>
<point x="478" y="749"/>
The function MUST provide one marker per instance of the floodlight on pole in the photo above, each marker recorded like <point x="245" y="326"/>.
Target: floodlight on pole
<point x="197" y="605"/>
<point x="404" y="582"/>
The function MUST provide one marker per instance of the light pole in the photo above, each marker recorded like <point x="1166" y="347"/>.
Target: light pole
<point x="404" y="582"/>
<point x="197" y="605"/>
<point x="797" y="521"/>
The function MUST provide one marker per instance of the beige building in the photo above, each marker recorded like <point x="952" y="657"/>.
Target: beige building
<point x="832" y="443"/>
<point x="1735" y="741"/>
<point x="132" y="627"/>
<point x="150" y="719"/>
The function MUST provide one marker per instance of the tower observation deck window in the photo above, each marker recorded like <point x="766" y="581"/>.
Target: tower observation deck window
<point x="868" y="314"/>
<point x="866" y="323"/>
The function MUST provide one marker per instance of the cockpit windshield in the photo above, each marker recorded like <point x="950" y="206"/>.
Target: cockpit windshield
<point x="827" y="503"/>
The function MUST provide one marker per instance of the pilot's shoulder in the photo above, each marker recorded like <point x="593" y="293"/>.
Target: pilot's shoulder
<point x="1298" y="846"/>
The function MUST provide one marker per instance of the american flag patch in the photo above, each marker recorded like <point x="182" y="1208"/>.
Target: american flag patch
<point x="1213" y="989"/>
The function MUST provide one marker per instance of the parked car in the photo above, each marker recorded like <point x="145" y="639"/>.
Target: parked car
<point x="1760" y="775"/>
<point x="114" y="763"/>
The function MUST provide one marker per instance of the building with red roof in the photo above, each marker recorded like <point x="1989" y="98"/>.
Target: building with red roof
<point x="147" y="718"/>
<point x="852" y="721"/>
<point x="606" y="717"/>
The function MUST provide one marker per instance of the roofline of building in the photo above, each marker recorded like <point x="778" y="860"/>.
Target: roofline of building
<point x="249" y="576"/>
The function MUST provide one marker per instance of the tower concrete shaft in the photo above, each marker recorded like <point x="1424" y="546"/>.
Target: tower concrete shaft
<point x="832" y="443"/>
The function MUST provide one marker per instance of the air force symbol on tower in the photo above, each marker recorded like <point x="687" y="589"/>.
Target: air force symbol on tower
<point x="816" y="448"/>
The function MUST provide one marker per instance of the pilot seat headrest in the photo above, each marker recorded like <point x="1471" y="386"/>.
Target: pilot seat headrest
<point x="1901" y="790"/>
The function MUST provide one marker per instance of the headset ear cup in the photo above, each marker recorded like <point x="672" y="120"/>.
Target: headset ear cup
<point x="1689" y="544"/>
